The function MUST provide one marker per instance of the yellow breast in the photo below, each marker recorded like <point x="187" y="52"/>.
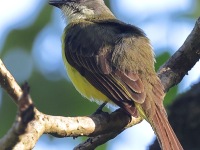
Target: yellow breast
<point x="83" y="86"/>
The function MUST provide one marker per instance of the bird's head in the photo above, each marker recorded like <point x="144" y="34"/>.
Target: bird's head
<point x="81" y="9"/>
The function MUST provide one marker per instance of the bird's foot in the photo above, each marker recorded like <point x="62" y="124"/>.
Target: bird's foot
<point x="99" y="110"/>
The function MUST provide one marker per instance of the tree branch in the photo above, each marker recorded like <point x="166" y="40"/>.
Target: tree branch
<point x="173" y="71"/>
<point x="15" y="139"/>
<point x="30" y="123"/>
<point x="9" y="84"/>
<point x="94" y="142"/>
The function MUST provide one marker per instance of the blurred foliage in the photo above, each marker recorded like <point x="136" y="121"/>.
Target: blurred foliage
<point x="55" y="97"/>
<point x="193" y="14"/>
<point x="24" y="37"/>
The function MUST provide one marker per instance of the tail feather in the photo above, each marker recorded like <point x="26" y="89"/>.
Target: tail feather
<point x="164" y="132"/>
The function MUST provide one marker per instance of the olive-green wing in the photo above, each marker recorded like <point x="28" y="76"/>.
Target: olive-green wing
<point x="100" y="52"/>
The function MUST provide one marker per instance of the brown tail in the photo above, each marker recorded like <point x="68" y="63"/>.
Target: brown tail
<point x="164" y="132"/>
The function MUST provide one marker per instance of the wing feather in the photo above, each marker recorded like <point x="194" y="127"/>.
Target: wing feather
<point x="92" y="56"/>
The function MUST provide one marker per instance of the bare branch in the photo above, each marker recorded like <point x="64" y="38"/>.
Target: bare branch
<point x="25" y="134"/>
<point x="94" y="142"/>
<point x="173" y="71"/>
<point x="25" y="115"/>
<point x="9" y="84"/>
<point x="30" y="124"/>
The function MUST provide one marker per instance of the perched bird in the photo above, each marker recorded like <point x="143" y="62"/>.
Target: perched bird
<point x="110" y="61"/>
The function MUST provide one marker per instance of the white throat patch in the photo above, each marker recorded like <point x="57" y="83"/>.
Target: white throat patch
<point x="74" y="12"/>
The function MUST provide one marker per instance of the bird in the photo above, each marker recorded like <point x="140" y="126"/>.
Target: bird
<point x="109" y="61"/>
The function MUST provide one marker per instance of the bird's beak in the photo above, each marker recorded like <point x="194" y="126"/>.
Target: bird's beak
<point x="57" y="3"/>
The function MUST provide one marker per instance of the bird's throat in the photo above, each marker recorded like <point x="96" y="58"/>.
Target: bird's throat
<point x="76" y="12"/>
